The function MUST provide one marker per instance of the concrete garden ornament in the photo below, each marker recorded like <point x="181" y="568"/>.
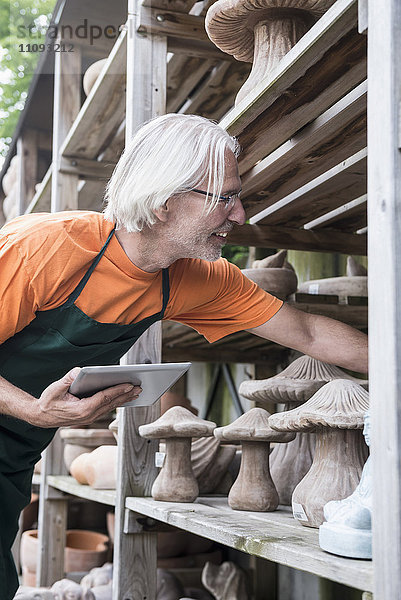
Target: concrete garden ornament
<point x="225" y="581"/>
<point x="347" y="530"/>
<point x="354" y="283"/>
<point x="290" y="462"/>
<point x="176" y="481"/>
<point x="261" y="31"/>
<point x="274" y="274"/>
<point x="253" y="489"/>
<point x="335" y="414"/>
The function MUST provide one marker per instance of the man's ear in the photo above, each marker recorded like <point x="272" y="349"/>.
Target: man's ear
<point x="162" y="213"/>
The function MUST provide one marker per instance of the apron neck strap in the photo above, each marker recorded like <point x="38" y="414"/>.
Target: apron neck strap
<point x="74" y="295"/>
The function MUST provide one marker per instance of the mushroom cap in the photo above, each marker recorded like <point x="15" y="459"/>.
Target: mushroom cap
<point x="253" y="426"/>
<point x="339" y="404"/>
<point x="297" y="383"/>
<point x="177" y="422"/>
<point x="273" y="261"/>
<point x="230" y="23"/>
<point x="354" y="268"/>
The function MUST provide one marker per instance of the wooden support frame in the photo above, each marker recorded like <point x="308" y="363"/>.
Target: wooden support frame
<point x="135" y="553"/>
<point x="384" y="221"/>
<point x="27" y="150"/>
<point x="67" y="95"/>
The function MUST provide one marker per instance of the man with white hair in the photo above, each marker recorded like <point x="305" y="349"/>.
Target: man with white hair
<point x="79" y="288"/>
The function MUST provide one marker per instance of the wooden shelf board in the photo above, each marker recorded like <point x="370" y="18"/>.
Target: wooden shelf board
<point x="325" y="65"/>
<point x="71" y="486"/>
<point x="275" y="536"/>
<point x="103" y="109"/>
<point x="342" y="184"/>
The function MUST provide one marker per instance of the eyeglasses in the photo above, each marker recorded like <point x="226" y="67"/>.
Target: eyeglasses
<point x="227" y="201"/>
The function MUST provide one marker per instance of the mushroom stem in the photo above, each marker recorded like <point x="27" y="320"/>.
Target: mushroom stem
<point x="289" y="463"/>
<point x="340" y="455"/>
<point x="254" y="488"/>
<point x="275" y="33"/>
<point x="176" y="481"/>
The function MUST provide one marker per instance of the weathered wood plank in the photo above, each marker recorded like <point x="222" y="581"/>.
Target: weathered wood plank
<point x="340" y="70"/>
<point x="27" y="150"/>
<point x="217" y="92"/>
<point x="274" y="536"/>
<point x="42" y="198"/>
<point x="174" y="24"/>
<point x="341" y="217"/>
<point x="179" y="89"/>
<point x="104" y="108"/>
<point x="266" y="236"/>
<point x="52" y="518"/>
<point x="384" y="217"/>
<point x="86" y="168"/>
<point x="67" y="97"/>
<point x="69" y="485"/>
<point x="334" y="136"/>
<point x="329" y="29"/>
<point x="182" y="6"/>
<point x="340" y="184"/>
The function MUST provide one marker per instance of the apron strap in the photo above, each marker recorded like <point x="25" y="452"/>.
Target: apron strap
<point x="74" y="295"/>
<point x="166" y="289"/>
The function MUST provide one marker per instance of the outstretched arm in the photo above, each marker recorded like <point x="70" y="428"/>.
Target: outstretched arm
<point x="320" y="337"/>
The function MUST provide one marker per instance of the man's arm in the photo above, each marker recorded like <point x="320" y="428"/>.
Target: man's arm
<point x="56" y="407"/>
<point x="320" y="337"/>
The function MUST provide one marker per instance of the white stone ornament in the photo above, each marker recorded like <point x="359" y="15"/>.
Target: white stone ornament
<point x="347" y="530"/>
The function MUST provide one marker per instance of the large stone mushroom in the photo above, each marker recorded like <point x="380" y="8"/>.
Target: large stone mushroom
<point x="335" y="413"/>
<point x="354" y="283"/>
<point x="290" y="462"/>
<point x="176" y="481"/>
<point x="253" y="489"/>
<point x="261" y="31"/>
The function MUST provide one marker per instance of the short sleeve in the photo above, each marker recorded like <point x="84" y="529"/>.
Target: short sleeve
<point x="216" y="299"/>
<point x="17" y="296"/>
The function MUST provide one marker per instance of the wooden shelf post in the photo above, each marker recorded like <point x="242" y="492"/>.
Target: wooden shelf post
<point x="384" y="219"/>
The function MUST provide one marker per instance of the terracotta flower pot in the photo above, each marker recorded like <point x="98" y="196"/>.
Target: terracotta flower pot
<point x="84" y="550"/>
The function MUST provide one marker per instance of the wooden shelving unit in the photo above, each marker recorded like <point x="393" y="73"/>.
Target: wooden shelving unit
<point x="303" y="131"/>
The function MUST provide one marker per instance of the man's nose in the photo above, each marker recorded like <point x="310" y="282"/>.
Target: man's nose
<point x="237" y="213"/>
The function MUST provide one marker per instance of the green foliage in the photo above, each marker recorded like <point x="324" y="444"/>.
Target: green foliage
<point x="236" y="254"/>
<point x="21" y="22"/>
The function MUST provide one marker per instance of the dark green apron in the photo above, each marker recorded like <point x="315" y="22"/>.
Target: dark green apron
<point x="53" y="343"/>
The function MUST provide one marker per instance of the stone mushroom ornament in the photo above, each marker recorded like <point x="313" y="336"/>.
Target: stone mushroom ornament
<point x="335" y="414"/>
<point x="261" y="31"/>
<point x="354" y="283"/>
<point x="253" y="489"/>
<point x="274" y="274"/>
<point x="290" y="462"/>
<point x="347" y="530"/>
<point x="176" y="481"/>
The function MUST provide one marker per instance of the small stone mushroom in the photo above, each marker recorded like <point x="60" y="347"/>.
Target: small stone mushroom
<point x="253" y="489"/>
<point x="261" y="31"/>
<point x="354" y="283"/>
<point x="335" y="413"/>
<point x="176" y="481"/>
<point x="290" y="462"/>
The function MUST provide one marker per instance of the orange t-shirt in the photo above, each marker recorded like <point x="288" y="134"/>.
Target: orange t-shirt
<point x="44" y="256"/>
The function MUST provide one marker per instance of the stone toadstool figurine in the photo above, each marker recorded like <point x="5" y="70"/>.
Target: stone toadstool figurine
<point x="335" y="413"/>
<point x="253" y="489"/>
<point x="290" y="462"/>
<point x="354" y="283"/>
<point x="261" y="31"/>
<point x="274" y="274"/>
<point x="176" y="481"/>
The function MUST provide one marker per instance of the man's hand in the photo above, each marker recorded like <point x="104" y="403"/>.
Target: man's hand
<point x="56" y="407"/>
<point x="320" y="337"/>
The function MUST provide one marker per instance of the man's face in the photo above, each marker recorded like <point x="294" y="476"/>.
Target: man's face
<point x="194" y="234"/>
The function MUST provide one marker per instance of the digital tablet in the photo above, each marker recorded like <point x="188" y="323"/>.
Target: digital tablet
<point x="154" y="379"/>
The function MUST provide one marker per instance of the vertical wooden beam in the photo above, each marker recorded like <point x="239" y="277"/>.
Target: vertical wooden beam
<point x="135" y="553"/>
<point x="384" y="222"/>
<point x="52" y="518"/>
<point x="67" y="102"/>
<point x="27" y="150"/>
